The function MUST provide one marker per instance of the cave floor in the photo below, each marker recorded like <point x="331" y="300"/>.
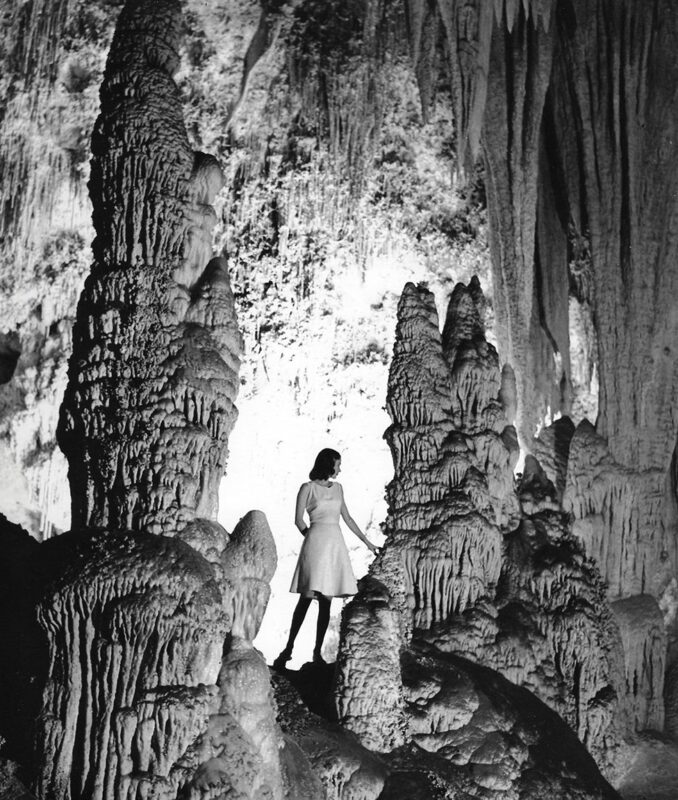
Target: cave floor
<point x="653" y="772"/>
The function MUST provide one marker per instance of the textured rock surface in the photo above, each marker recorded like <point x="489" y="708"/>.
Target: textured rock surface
<point x="346" y="769"/>
<point x="498" y="738"/>
<point x="644" y="640"/>
<point x="246" y="695"/>
<point x="137" y="700"/>
<point x="532" y="606"/>
<point x="618" y="515"/>
<point x="135" y="627"/>
<point x="589" y="182"/>
<point x="518" y="77"/>
<point x="149" y="403"/>
<point x="440" y="504"/>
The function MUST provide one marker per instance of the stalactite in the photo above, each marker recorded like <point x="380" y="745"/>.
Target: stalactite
<point x="644" y="639"/>
<point x="621" y="192"/>
<point x="36" y="158"/>
<point x="520" y="64"/>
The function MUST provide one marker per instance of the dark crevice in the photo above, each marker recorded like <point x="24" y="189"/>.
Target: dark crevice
<point x="10" y="350"/>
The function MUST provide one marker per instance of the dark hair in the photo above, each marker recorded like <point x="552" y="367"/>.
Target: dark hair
<point x="324" y="465"/>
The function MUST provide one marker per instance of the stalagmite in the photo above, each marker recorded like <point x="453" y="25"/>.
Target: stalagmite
<point x="248" y="563"/>
<point x="372" y="625"/>
<point x="148" y="376"/>
<point x="502" y="584"/>
<point x="135" y="626"/>
<point x="138" y="702"/>
<point x="135" y="629"/>
<point x="451" y="551"/>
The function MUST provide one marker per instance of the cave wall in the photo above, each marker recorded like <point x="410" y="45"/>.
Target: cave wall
<point x="274" y="95"/>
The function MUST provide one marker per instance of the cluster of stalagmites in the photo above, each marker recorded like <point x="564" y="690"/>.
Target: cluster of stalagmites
<point x="479" y="570"/>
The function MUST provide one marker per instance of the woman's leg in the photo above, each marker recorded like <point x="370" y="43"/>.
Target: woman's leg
<point x="323" y="621"/>
<point x="297" y="619"/>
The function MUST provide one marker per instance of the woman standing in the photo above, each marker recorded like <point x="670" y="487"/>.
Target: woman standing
<point x="323" y="569"/>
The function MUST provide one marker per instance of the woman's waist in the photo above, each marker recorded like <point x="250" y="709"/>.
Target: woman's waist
<point x="324" y="521"/>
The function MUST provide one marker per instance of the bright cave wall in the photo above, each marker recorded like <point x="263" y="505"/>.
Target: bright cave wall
<point x="322" y="226"/>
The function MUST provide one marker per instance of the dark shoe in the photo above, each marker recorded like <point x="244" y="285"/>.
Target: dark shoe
<point x="318" y="659"/>
<point x="282" y="659"/>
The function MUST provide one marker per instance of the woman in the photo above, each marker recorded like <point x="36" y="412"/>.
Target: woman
<point x="323" y="569"/>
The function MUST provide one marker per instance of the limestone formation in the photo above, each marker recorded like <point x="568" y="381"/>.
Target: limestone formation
<point x="247" y="696"/>
<point x="440" y="508"/>
<point x="644" y="639"/>
<point x="135" y="629"/>
<point x="346" y="769"/>
<point x="149" y="404"/>
<point x="137" y="701"/>
<point x="618" y="516"/>
<point x="519" y="595"/>
<point x="143" y="681"/>
<point x="518" y="77"/>
<point x="363" y="696"/>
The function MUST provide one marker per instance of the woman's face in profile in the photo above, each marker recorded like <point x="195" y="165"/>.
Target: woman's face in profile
<point x="337" y="468"/>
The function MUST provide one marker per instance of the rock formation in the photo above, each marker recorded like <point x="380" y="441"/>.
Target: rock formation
<point x="147" y="379"/>
<point x="479" y="581"/>
<point x="129" y="638"/>
<point x="137" y="700"/>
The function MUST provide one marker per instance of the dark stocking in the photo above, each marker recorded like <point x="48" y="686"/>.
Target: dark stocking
<point x="297" y="619"/>
<point x="323" y="622"/>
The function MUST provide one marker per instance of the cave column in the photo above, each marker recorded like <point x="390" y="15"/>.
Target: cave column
<point x="519" y="71"/>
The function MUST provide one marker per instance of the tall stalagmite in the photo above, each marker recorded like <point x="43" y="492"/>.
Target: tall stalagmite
<point x="461" y="574"/>
<point x="149" y="403"/>
<point x="137" y="701"/>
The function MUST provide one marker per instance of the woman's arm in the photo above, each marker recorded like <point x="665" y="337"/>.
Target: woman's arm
<point x="352" y="526"/>
<point x="302" y="497"/>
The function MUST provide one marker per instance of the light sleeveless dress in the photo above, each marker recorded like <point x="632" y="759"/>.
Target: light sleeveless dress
<point x="323" y="565"/>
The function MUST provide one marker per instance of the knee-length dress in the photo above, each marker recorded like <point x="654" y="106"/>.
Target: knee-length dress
<point x="323" y="565"/>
